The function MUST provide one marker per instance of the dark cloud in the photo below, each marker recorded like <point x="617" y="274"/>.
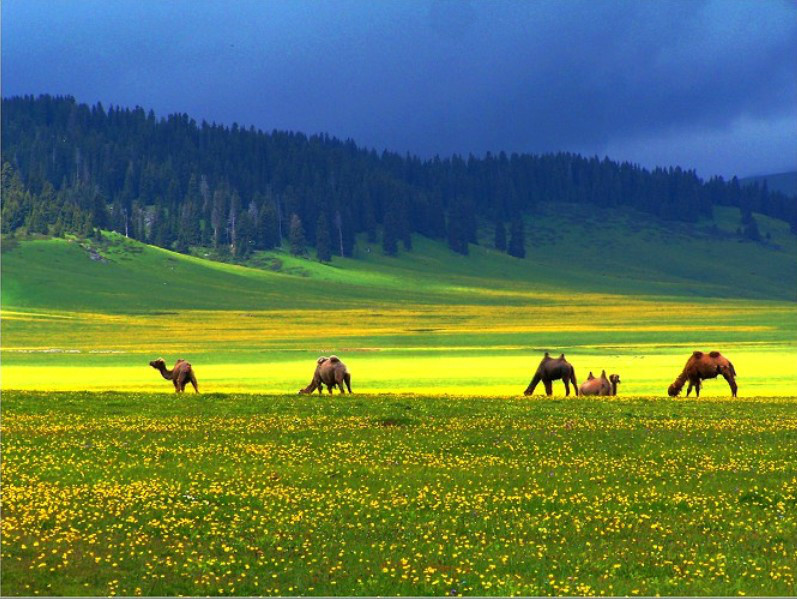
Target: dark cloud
<point x="637" y="79"/>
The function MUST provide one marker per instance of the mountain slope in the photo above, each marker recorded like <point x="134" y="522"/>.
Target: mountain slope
<point x="785" y="183"/>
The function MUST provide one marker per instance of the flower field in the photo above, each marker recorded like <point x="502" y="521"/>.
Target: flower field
<point x="138" y="494"/>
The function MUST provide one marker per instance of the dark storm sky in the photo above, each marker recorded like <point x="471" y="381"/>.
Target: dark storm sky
<point x="710" y="85"/>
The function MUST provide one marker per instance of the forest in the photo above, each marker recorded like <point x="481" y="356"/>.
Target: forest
<point x="172" y="182"/>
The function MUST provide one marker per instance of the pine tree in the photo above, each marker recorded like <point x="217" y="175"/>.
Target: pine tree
<point x="268" y="234"/>
<point x="296" y="236"/>
<point x="517" y="240"/>
<point x="457" y="230"/>
<point x="246" y="235"/>
<point x="389" y="234"/>
<point x="322" y="239"/>
<point x="500" y="236"/>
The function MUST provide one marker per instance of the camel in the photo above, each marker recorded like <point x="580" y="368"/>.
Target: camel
<point x="180" y="375"/>
<point x="702" y="366"/>
<point x="600" y="386"/>
<point x="551" y="369"/>
<point x="330" y="372"/>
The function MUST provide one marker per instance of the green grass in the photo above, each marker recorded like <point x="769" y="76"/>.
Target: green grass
<point x="372" y="495"/>
<point x="615" y="291"/>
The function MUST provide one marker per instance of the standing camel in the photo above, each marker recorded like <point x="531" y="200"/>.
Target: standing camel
<point x="702" y="366"/>
<point x="551" y="369"/>
<point x="180" y="375"/>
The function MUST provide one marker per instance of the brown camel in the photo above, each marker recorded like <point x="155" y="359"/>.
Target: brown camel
<point x="600" y="386"/>
<point x="330" y="372"/>
<point x="702" y="366"/>
<point x="551" y="369"/>
<point x="180" y="375"/>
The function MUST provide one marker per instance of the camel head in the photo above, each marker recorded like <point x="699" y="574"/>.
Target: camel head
<point x="614" y="379"/>
<point x="674" y="389"/>
<point x="158" y="364"/>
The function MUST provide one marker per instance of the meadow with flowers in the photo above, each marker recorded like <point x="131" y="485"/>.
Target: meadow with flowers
<point x="136" y="494"/>
<point x="437" y="477"/>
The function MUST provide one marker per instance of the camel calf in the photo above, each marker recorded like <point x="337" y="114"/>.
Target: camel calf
<point x="180" y="375"/>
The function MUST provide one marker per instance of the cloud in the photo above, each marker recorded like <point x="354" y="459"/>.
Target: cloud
<point x="439" y="76"/>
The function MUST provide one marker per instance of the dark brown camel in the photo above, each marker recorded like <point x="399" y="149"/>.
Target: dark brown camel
<point x="702" y="366"/>
<point x="600" y="386"/>
<point x="330" y="372"/>
<point x="551" y="369"/>
<point x="180" y="375"/>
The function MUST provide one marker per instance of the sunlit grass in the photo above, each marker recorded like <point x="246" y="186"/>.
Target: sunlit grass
<point x="136" y="494"/>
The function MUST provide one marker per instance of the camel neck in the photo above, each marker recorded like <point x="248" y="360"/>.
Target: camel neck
<point x="167" y="374"/>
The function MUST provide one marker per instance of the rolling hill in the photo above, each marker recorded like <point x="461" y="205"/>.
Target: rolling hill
<point x="783" y="182"/>
<point x="618" y="290"/>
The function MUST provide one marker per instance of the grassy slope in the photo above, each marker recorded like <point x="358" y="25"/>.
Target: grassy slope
<point x="612" y="288"/>
<point x="248" y="495"/>
<point x="783" y="182"/>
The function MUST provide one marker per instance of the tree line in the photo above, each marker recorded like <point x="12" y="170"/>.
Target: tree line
<point x="176" y="183"/>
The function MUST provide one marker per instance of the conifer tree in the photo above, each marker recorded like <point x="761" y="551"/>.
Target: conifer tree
<point x="322" y="239"/>
<point x="517" y="240"/>
<point x="500" y="235"/>
<point x="296" y="236"/>
<point x="389" y="234"/>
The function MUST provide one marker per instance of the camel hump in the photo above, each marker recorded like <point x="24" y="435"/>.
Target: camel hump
<point x="714" y="354"/>
<point x="603" y="374"/>
<point x="591" y="376"/>
<point x="697" y="354"/>
<point x="334" y="359"/>
<point x="547" y="355"/>
<point x="561" y="356"/>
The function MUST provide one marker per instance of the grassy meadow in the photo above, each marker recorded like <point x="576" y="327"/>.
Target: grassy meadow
<point x="437" y="477"/>
<point x="426" y="322"/>
<point x="141" y="494"/>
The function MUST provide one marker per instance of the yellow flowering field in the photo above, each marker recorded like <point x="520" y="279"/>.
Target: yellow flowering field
<point x="141" y="494"/>
<point x="468" y="349"/>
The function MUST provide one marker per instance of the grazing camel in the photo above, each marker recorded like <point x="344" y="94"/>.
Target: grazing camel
<point x="551" y="369"/>
<point x="600" y="386"/>
<point x="180" y="375"/>
<point x="702" y="366"/>
<point x="330" y="372"/>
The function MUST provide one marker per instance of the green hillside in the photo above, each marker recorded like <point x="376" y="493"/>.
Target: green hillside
<point x="610" y="252"/>
<point x="615" y="290"/>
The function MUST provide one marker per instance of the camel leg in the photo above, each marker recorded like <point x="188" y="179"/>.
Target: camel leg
<point x="689" y="389"/>
<point x="567" y="387"/>
<point x="176" y="386"/>
<point x="194" y="383"/>
<point x="347" y="379"/>
<point x="548" y="388"/>
<point x="697" y="389"/>
<point x="573" y="380"/>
